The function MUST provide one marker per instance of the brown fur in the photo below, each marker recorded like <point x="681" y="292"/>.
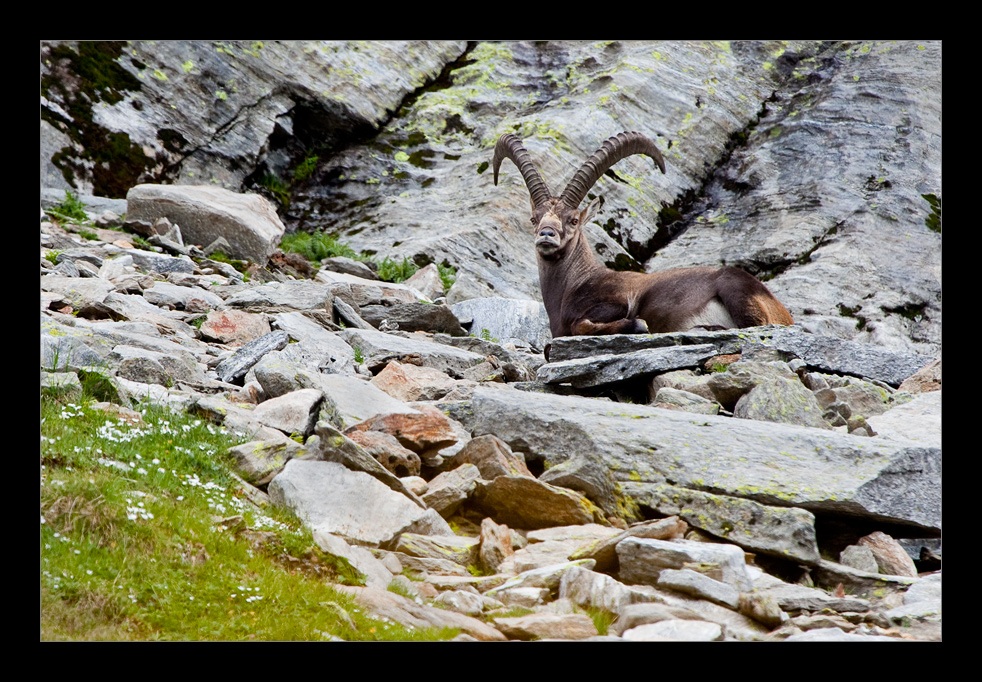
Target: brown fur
<point x="582" y="297"/>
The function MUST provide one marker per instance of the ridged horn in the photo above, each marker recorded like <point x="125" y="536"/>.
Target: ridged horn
<point x="613" y="150"/>
<point x="510" y="146"/>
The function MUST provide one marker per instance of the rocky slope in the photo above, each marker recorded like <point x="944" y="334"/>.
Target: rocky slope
<point x="774" y="483"/>
<point x="628" y="474"/>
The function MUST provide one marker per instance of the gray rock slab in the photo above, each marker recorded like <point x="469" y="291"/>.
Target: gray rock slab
<point x="771" y="463"/>
<point x="357" y="399"/>
<point x="506" y="319"/>
<point x="574" y="347"/>
<point x="918" y="420"/>
<point x="327" y="351"/>
<point x="787" y="532"/>
<point x="832" y="354"/>
<point x="66" y="347"/>
<point x="153" y="367"/>
<point x="360" y="292"/>
<point x="675" y="630"/>
<point x="248" y="222"/>
<point x="294" y="412"/>
<point x="394" y="607"/>
<point x="353" y="505"/>
<point x="193" y="298"/>
<point x="643" y="559"/>
<point x="588" y="588"/>
<point x="235" y="367"/>
<point x="282" y="296"/>
<point x="152" y="262"/>
<point x="819" y="351"/>
<point x="606" y="369"/>
<point x="698" y="585"/>
<point x="330" y="445"/>
<point x="379" y="347"/>
<point x="362" y="560"/>
<point x="794" y="598"/>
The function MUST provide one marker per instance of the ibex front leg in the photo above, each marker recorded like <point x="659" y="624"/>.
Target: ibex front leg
<point x="608" y="318"/>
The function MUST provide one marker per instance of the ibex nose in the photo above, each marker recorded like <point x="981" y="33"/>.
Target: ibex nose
<point x="547" y="232"/>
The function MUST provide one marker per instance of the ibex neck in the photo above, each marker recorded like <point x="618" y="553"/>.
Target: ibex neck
<point x="570" y="267"/>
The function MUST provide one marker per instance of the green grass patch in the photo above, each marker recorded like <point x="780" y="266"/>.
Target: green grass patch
<point x="146" y="535"/>
<point x="318" y="245"/>
<point x="390" y="270"/>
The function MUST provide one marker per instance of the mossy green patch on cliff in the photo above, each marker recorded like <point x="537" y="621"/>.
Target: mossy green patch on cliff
<point x="78" y="79"/>
<point x="441" y="111"/>
<point x="933" y="220"/>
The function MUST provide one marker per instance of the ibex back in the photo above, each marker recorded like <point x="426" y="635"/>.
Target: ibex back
<point x="583" y="297"/>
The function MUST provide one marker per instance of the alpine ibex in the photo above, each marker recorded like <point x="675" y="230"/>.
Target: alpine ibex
<point x="583" y="297"/>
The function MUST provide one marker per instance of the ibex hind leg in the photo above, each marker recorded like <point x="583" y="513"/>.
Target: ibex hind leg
<point x="748" y="302"/>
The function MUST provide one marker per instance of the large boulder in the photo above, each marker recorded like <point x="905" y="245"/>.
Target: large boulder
<point x="247" y="222"/>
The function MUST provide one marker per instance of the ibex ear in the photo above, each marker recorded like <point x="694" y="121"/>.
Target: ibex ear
<point x="586" y="215"/>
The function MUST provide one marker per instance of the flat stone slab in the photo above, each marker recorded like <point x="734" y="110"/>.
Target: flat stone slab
<point x="824" y="353"/>
<point x="772" y="463"/>
<point x="607" y="369"/>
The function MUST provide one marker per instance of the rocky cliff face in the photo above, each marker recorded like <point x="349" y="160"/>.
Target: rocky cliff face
<point x="696" y="485"/>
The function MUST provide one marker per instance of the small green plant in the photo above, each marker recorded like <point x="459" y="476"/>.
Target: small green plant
<point x="478" y="572"/>
<point x="305" y="168"/>
<point x="277" y="187"/>
<point x="602" y="618"/>
<point x="933" y="220"/>
<point x="316" y="246"/>
<point x="72" y="209"/>
<point x="240" y="265"/>
<point x="396" y="271"/>
<point x="448" y="275"/>
<point x="400" y="588"/>
<point x="140" y="242"/>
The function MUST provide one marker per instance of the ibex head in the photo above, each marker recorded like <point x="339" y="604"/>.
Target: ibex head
<point x="558" y="219"/>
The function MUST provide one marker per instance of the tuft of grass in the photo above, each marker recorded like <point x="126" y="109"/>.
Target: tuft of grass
<point x="318" y="245"/>
<point x="147" y="535"/>
<point x="305" y="168"/>
<point x="396" y="271"/>
<point x="602" y="618"/>
<point x="448" y="275"/>
<point x="277" y="187"/>
<point x="240" y="265"/>
<point x="72" y="209"/>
